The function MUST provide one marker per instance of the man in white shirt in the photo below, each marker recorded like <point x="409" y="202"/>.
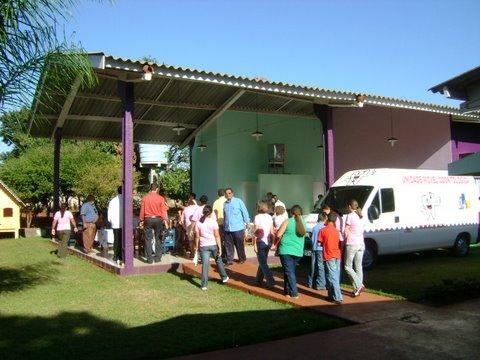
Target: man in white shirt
<point x="115" y="220"/>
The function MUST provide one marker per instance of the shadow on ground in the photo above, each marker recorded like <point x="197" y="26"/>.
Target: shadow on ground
<point x="83" y="336"/>
<point x="17" y="279"/>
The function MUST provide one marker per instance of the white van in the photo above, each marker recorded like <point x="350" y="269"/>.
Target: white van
<point x="409" y="210"/>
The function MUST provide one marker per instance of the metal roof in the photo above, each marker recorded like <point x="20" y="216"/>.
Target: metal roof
<point x="185" y="97"/>
<point x="462" y="87"/>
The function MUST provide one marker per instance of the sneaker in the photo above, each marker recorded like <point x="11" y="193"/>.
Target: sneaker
<point x="225" y="280"/>
<point x="204" y="288"/>
<point x="338" y="302"/>
<point x="295" y="297"/>
<point x="359" y="290"/>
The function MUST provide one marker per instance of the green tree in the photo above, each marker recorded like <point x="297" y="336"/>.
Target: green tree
<point x="29" y="43"/>
<point x="84" y="169"/>
<point x="176" y="183"/>
<point x="178" y="158"/>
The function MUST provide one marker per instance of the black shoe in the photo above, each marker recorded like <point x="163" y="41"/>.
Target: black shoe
<point x="150" y="261"/>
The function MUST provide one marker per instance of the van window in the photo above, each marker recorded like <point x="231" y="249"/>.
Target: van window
<point x="338" y="196"/>
<point x="376" y="202"/>
<point x="388" y="200"/>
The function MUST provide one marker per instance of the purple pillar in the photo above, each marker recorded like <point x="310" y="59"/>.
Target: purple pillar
<point x="125" y="91"/>
<point x="56" y="170"/>
<point x="324" y="114"/>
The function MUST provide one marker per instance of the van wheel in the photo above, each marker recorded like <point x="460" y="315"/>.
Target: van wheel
<point x="461" y="247"/>
<point x="370" y="254"/>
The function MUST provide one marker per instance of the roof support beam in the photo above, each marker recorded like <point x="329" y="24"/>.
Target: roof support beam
<point x="150" y="102"/>
<point x="214" y="116"/>
<point x="119" y="119"/>
<point x="157" y="98"/>
<point x="67" y="105"/>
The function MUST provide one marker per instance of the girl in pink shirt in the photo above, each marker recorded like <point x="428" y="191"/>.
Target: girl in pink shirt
<point x="263" y="233"/>
<point x="207" y="241"/>
<point x="355" y="246"/>
<point x="186" y="222"/>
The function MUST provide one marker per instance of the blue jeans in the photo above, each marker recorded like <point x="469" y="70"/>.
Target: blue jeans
<point x="289" y="265"/>
<point x="353" y="264"/>
<point x="333" y="279"/>
<point x="205" y="253"/>
<point x="316" y="277"/>
<point x="263" y="269"/>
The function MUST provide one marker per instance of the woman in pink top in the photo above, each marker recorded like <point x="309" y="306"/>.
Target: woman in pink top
<point x="207" y="241"/>
<point x="62" y="222"/>
<point x="263" y="233"/>
<point x="355" y="246"/>
<point x="186" y="221"/>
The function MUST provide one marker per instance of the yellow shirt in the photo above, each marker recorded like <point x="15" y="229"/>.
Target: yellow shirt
<point x="218" y="209"/>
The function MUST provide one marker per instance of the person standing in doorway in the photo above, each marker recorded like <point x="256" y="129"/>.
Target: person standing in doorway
<point x="218" y="211"/>
<point x="62" y="225"/>
<point x="153" y="217"/>
<point x="115" y="219"/>
<point x="235" y="216"/>
<point x="89" y="215"/>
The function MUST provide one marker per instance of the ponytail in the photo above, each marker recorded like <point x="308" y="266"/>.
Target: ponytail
<point x="207" y="211"/>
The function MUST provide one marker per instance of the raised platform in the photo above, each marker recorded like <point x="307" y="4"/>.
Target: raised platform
<point x="170" y="262"/>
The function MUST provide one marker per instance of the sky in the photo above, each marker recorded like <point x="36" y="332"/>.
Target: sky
<point x="390" y="48"/>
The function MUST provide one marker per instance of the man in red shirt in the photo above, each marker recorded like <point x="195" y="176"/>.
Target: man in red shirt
<point x="153" y="217"/>
<point x="329" y="237"/>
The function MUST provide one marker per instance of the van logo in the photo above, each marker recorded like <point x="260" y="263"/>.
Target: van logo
<point x="430" y="203"/>
<point x="356" y="176"/>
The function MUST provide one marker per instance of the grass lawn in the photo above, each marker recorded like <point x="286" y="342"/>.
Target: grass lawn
<point x="56" y="309"/>
<point x="409" y="276"/>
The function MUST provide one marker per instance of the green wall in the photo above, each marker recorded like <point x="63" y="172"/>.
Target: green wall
<point x="234" y="158"/>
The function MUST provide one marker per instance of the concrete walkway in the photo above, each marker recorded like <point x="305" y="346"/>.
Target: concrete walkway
<point x="386" y="328"/>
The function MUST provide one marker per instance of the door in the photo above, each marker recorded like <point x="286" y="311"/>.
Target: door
<point x="385" y="234"/>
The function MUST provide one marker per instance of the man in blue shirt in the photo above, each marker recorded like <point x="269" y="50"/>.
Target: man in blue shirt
<point x="316" y="277"/>
<point x="89" y="216"/>
<point x="235" y="216"/>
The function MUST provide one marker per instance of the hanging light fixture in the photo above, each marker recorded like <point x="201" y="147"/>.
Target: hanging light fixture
<point x="178" y="129"/>
<point x="257" y="134"/>
<point x="201" y="146"/>
<point x="392" y="139"/>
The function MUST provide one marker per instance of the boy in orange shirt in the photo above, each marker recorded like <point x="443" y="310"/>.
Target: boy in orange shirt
<point x="329" y="237"/>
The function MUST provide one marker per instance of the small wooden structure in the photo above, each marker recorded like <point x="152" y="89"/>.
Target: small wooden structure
<point x="10" y="205"/>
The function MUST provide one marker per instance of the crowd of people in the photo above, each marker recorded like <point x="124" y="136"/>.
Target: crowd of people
<point x="218" y="231"/>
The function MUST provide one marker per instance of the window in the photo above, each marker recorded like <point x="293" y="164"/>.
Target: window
<point x="7" y="212"/>
<point x="388" y="200"/>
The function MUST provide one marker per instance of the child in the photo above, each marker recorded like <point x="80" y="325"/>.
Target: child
<point x="330" y="240"/>
<point x="316" y="277"/>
